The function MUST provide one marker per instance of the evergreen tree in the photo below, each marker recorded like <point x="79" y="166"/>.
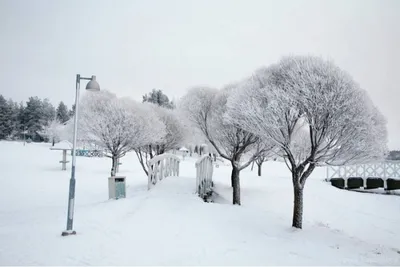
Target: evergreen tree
<point x="5" y="118"/>
<point x="48" y="112"/>
<point x="20" y="120"/>
<point x="62" y="113"/>
<point x="14" y="119"/>
<point x="159" y="98"/>
<point x="37" y="115"/>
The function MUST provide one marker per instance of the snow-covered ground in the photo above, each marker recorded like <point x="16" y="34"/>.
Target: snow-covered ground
<point x="169" y="225"/>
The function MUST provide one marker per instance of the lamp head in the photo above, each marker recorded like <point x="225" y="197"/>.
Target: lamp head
<point x="93" y="85"/>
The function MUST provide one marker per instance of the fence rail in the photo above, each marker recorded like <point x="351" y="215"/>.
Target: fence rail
<point x="162" y="166"/>
<point x="384" y="170"/>
<point x="204" y="173"/>
<point x="89" y="153"/>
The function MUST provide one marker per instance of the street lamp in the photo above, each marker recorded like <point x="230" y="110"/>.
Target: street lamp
<point x="91" y="86"/>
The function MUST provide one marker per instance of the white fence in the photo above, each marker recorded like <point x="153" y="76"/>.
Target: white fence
<point x="384" y="170"/>
<point x="162" y="166"/>
<point x="204" y="173"/>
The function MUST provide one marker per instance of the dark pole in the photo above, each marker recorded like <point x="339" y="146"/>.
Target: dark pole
<point x="72" y="181"/>
<point x="91" y="86"/>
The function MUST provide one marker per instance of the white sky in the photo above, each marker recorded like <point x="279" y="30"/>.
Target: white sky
<point x="134" y="46"/>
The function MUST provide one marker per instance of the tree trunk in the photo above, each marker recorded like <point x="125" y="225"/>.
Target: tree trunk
<point x="232" y="177"/>
<point x="236" y="185"/>
<point x="298" y="207"/>
<point x="299" y="176"/>
<point x="259" y="168"/>
<point x="114" y="165"/>
<point x="53" y="142"/>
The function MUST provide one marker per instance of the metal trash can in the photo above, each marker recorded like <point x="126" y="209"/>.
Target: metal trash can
<point x="116" y="187"/>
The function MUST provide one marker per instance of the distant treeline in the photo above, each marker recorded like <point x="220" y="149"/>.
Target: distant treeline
<point x="394" y="155"/>
<point x="29" y="118"/>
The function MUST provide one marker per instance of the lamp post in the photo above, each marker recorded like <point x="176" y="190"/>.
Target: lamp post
<point x="91" y="86"/>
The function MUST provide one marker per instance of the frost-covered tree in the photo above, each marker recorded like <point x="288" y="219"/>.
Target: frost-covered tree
<point x="159" y="98"/>
<point x="315" y="113"/>
<point x="175" y="130"/>
<point x="205" y="108"/>
<point x="174" y="135"/>
<point x="62" y="113"/>
<point x="52" y="131"/>
<point x="118" y="125"/>
<point x="194" y="137"/>
<point x="264" y="151"/>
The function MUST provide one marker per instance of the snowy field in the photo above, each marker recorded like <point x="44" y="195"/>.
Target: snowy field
<point x="169" y="225"/>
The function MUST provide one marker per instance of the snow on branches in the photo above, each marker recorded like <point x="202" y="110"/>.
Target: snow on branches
<point x="205" y="108"/>
<point x="118" y="125"/>
<point x="53" y="131"/>
<point x="172" y="138"/>
<point x="314" y="112"/>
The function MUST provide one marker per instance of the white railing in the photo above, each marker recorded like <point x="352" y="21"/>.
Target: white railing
<point x="162" y="166"/>
<point x="204" y="173"/>
<point x="384" y="170"/>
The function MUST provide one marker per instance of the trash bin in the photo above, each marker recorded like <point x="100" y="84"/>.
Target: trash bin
<point x="116" y="187"/>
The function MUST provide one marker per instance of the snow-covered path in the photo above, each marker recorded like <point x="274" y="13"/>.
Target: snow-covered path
<point x="170" y="225"/>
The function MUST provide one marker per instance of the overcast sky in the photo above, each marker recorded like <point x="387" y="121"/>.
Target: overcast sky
<point x="134" y="46"/>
